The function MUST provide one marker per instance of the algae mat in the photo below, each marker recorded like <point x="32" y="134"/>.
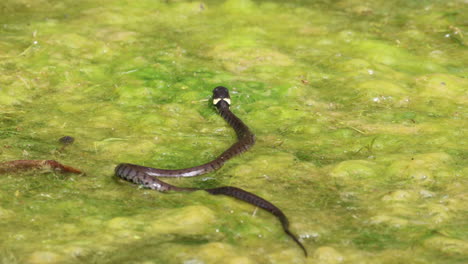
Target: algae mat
<point x="359" y="108"/>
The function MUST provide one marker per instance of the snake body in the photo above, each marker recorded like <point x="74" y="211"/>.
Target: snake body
<point x="146" y="176"/>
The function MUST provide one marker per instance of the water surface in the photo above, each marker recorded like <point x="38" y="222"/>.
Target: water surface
<point x="359" y="108"/>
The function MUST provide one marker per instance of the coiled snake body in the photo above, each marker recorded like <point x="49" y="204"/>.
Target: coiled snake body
<point x="146" y="176"/>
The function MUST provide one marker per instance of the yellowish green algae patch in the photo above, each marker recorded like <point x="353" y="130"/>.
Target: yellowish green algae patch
<point x="359" y="109"/>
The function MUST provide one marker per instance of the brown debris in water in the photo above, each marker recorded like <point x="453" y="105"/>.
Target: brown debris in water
<point x="15" y="165"/>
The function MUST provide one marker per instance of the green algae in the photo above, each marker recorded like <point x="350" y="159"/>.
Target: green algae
<point x="359" y="109"/>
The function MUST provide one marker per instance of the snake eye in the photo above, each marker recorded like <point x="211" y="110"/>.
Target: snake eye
<point x="221" y="93"/>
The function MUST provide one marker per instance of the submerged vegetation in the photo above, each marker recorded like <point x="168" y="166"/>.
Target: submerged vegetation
<point x="359" y="109"/>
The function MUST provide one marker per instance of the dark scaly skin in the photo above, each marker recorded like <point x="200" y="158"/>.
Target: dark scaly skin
<point x="260" y="202"/>
<point x="246" y="140"/>
<point x="146" y="176"/>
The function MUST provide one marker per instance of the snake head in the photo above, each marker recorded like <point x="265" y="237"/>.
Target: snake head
<point x="221" y="93"/>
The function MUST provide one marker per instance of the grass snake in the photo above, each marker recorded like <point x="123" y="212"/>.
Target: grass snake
<point x="147" y="176"/>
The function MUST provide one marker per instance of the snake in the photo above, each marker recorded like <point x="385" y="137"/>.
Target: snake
<point x="147" y="176"/>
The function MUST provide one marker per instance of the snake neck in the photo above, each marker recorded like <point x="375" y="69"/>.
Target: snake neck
<point x="241" y="129"/>
<point x="245" y="138"/>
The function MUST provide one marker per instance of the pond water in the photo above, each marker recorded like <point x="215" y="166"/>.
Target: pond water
<point x="359" y="109"/>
